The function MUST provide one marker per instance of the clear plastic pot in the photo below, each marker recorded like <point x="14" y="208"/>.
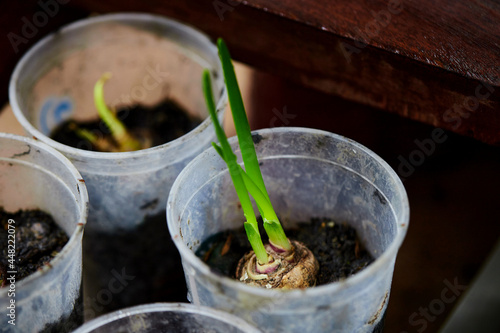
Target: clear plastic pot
<point x="151" y="58"/>
<point x="167" y="317"/>
<point x="35" y="176"/>
<point x="308" y="173"/>
<point x="148" y="55"/>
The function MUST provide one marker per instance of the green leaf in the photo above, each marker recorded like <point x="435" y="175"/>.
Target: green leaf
<point x="219" y="150"/>
<point x="273" y="227"/>
<point x="276" y="235"/>
<point x="251" y="226"/>
<point x="253" y="235"/>
<point x="240" y="118"/>
<point x="118" y="130"/>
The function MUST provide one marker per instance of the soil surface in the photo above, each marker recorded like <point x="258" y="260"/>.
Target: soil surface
<point x="143" y="263"/>
<point x="157" y="125"/>
<point x="335" y="246"/>
<point x="38" y="239"/>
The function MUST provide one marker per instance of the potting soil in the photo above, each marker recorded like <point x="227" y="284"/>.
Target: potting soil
<point x="335" y="245"/>
<point x="38" y="239"/>
<point x="159" y="124"/>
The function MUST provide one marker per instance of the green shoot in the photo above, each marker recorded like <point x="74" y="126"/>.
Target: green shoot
<point x="119" y="132"/>
<point x="224" y="150"/>
<point x="84" y="133"/>
<point x="271" y="223"/>
<point x="249" y="181"/>
<point x="99" y="142"/>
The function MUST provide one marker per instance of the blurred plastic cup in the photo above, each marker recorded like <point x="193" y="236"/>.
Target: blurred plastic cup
<point x="167" y="317"/>
<point x="35" y="176"/>
<point x="151" y="58"/>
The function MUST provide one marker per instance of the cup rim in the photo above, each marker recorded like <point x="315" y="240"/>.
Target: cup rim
<point x="81" y="24"/>
<point x="365" y="274"/>
<point x="82" y="202"/>
<point x="167" y="307"/>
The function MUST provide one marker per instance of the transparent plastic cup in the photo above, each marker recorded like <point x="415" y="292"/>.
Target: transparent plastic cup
<point x="309" y="174"/>
<point x="167" y="317"/>
<point x="35" y="176"/>
<point x="54" y="81"/>
<point x="151" y="58"/>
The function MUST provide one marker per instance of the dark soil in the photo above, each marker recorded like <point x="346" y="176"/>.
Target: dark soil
<point x="145" y="257"/>
<point x="160" y="124"/>
<point x="38" y="239"/>
<point x="335" y="246"/>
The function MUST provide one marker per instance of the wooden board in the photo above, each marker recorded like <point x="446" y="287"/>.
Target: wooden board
<point x="437" y="62"/>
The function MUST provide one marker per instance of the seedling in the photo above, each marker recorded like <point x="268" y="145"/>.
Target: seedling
<point x="124" y="141"/>
<point x="248" y="181"/>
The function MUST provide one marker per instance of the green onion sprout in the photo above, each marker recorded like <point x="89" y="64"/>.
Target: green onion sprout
<point x="250" y="180"/>
<point x="118" y="130"/>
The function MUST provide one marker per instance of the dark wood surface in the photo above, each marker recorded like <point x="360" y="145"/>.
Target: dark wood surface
<point x="459" y="36"/>
<point x="19" y="30"/>
<point x="437" y="62"/>
<point x="452" y="192"/>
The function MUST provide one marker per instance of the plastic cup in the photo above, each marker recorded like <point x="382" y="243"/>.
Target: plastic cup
<point x="151" y="58"/>
<point x="308" y="173"/>
<point x="64" y="66"/>
<point x="35" y="176"/>
<point x="167" y="317"/>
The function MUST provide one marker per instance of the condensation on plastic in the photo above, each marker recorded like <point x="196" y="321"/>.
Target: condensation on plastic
<point x="151" y="58"/>
<point x="308" y="173"/>
<point x="167" y="318"/>
<point x="35" y="176"/>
